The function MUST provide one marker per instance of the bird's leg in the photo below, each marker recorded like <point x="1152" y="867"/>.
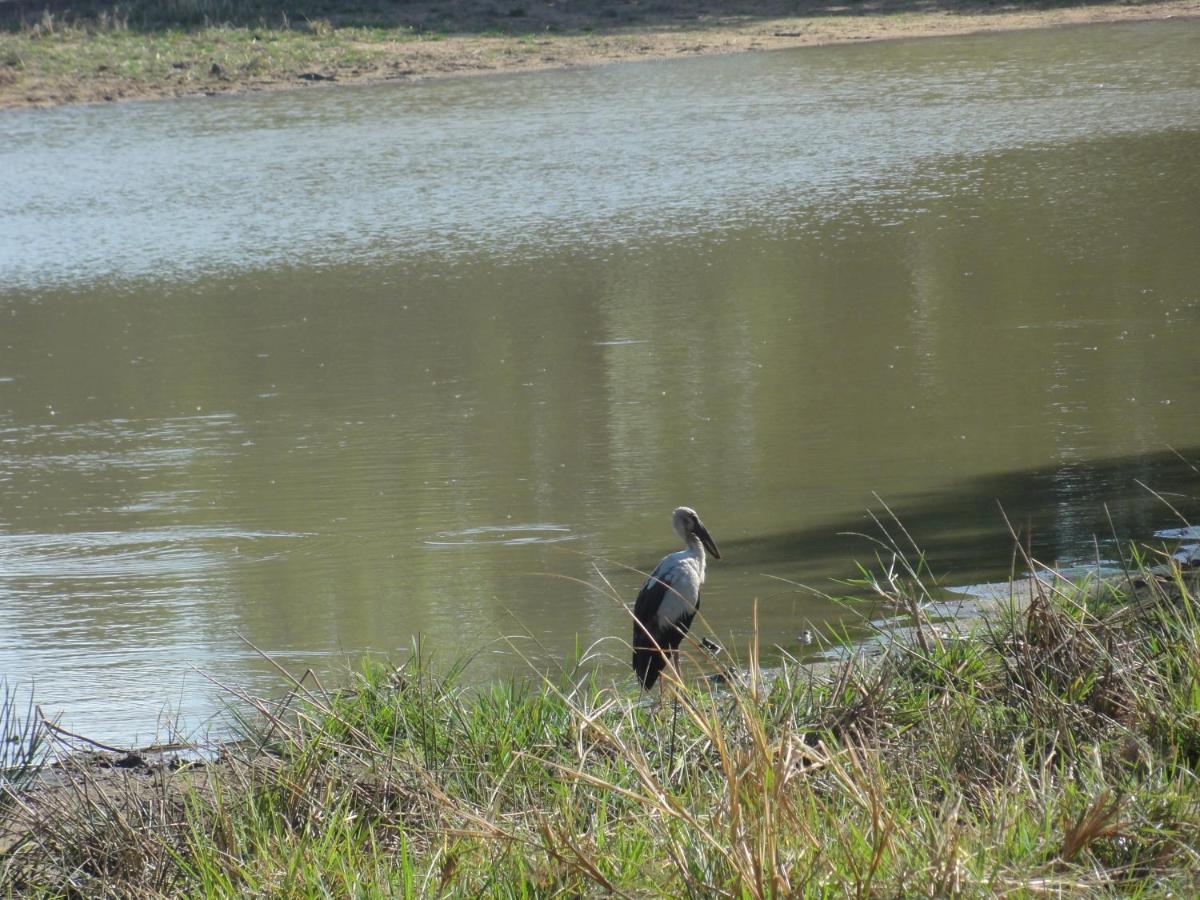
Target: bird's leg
<point x="674" y="663"/>
<point x="671" y="751"/>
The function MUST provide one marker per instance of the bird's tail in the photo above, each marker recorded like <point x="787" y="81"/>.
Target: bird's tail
<point x="646" y="665"/>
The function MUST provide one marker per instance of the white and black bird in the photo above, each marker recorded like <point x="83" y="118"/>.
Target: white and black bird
<point x="668" y="600"/>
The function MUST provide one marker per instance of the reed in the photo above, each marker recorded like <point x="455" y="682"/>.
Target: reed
<point x="22" y="743"/>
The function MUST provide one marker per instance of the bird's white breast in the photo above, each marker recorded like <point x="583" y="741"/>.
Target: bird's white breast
<point x="683" y="574"/>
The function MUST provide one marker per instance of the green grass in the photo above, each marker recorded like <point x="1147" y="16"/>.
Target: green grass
<point x="77" y="53"/>
<point x="53" y="59"/>
<point x="1055" y="750"/>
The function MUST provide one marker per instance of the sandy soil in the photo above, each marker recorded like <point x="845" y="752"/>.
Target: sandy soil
<point x="737" y="34"/>
<point x="470" y="53"/>
<point x="588" y="32"/>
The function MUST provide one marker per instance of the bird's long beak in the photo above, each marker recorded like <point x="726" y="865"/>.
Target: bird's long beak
<point x="709" y="543"/>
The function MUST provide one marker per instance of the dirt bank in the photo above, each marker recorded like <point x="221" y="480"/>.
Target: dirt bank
<point x="49" y="58"/>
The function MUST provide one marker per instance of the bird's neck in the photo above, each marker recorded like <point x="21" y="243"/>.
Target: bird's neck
<point x="696" y="549"/>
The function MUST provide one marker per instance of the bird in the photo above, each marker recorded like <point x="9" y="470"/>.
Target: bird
<point x="669" y="598"/>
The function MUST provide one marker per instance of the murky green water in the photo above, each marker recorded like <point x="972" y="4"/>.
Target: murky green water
<point x="329" y="370"/>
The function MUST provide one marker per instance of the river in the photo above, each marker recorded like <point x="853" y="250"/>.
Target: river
<point x="312" y="373"/>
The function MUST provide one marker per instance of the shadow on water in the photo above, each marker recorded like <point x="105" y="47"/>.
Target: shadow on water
<point x="962" y="532"/>
<point x="475" y="16"/>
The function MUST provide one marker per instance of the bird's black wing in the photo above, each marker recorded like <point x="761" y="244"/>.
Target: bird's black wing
<point x="647" y="659"/>
<point x="645" y="611"/>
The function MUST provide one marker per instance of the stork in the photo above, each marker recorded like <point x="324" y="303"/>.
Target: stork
<point x="668" y="600"/>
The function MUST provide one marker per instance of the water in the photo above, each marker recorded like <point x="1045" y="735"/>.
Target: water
<point x="315" y="372"/>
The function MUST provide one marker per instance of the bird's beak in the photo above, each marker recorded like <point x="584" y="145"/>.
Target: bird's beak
<point x="709" y="543"/>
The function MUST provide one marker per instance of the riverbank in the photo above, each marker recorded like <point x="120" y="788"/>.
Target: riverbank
<point x="1053" y="751"/>
<point x="61" y="53"/>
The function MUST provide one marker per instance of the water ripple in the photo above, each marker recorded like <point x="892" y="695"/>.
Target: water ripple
<point x="111" y="554"/>
<point x="508" y="535"/>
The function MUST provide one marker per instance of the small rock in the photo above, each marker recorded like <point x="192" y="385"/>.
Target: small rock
<point x="316" y="76"/>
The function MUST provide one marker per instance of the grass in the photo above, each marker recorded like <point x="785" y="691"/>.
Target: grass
<point x="108" y="59"/>
<point x="22" y="744"/>
<point x="1055" y="750"/>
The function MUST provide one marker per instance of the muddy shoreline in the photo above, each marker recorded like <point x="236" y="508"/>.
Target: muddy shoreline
<point x="127" y="64"/>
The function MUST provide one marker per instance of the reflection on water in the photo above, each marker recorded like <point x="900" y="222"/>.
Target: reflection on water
<point x="325" y="371"/>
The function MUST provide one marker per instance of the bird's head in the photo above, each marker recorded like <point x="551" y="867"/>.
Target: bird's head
<point x="687" y="524"/>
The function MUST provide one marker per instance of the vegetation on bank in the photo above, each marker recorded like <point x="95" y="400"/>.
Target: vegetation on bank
<point x="1054" y="751"/>
<point x="61" y="58"/>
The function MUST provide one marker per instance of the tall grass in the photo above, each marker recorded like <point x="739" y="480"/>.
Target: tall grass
<point x="1053" y="750"/>
<point x="22" y="743"/>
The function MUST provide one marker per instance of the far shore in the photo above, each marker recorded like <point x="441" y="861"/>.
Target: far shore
<point x="60" y="58"/>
